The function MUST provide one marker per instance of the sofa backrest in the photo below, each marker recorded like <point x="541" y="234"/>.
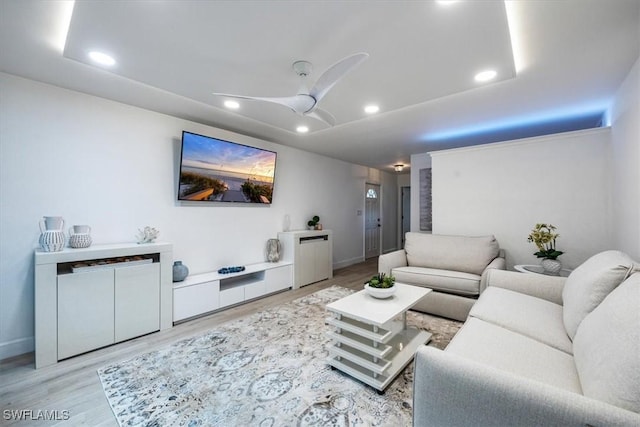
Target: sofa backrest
<point x="457" y="253"/>
<point x="606" y="348"/>
<point x="589" y="284"/>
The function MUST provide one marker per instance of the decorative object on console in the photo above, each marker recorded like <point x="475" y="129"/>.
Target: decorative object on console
<point x="273" y="250"/>
<point x="381" y="286"/>
<point x="52" y="237"/>
<point x="314" y="223"/>
<point x="180" y="271"/>
<point x="544" y="237"/>
<point x="80" y="236"/>
<point x="147" y="235"/>
<point x="229" y="270"/>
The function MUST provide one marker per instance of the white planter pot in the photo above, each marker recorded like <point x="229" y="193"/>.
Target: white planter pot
<point x="380" y="293"/>
<point x="551" y="267"/>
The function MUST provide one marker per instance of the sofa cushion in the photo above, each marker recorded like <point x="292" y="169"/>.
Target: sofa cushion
<point x="514" y="353"/>
<point x="533" y="317"/>
<point x="454" y="282"/>
<point x="607" y="348"/>
<point x="590" y="283"/>
<point x="457" y="253"/>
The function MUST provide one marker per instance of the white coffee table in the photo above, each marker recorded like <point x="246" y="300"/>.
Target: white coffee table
<point x="371" y="341"/>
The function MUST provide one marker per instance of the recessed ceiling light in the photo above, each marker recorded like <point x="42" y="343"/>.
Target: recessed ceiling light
<point x="485" y="76"/>
<point x="302" y="129"/>
<point x="101" y="58"/>
<point x="232" y="105"/>
<point x="371" y="109"/>
<point x="447" y="2"/>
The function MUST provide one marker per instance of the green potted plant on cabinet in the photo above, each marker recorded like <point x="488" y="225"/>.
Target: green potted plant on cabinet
<point x="314" y="223"/>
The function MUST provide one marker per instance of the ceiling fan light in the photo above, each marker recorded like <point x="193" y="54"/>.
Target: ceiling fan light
<point x="302" y="129"/>
<point x="232" y="105"/>
<point x="485" y="76"/>
<point x="371" y="109"/>
<point x="102" y="58"/>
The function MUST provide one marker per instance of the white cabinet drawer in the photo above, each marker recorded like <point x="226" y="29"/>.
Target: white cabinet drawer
<point x="231" y="296"/>
<point x="197" y="299"/>
<point x="254" y="290"/>
<point x="278" y="278"/>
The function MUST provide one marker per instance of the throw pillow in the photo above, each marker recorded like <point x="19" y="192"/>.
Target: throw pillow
<point x="606" y="348"/>
<point x="590" y="283"/>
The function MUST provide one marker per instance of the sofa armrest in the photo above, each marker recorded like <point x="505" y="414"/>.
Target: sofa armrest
<point x="499" y="263"/>
<point x="536" y="285"/>
<point x="450" y="390"/>
<point x="391" y="260"/>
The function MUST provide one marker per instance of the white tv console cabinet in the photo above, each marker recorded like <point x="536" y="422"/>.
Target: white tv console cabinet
<point x="80" y="308"/>
<point x="311" y="252"/>
<point x="201" y="294"/>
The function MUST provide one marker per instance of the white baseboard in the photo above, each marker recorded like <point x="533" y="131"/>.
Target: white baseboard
<point x="16" y="347"/>
<point x="348" y="262"/>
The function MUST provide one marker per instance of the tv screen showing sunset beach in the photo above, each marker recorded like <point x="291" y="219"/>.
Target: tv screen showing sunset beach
<point x="215" y="170"/>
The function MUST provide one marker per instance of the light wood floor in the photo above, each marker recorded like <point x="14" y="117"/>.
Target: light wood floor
<point x="73" y="385"/>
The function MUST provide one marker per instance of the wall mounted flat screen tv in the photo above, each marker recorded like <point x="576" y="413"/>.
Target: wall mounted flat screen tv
<point x="215" y="170"/>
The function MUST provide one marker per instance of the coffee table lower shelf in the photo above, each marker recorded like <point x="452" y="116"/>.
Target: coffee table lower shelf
<point x="378" y="372"/>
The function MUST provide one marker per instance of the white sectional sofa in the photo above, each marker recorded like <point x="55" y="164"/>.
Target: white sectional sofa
<point x="539" y="350"/>
<point x="455" y="267"/>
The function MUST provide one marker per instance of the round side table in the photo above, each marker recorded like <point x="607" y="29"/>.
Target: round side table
<point x="537" y="269"/>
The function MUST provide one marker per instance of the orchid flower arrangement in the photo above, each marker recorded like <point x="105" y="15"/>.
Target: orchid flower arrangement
<point x="544" y="237"/>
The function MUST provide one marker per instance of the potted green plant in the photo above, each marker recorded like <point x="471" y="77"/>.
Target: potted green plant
<point x="381" y="286"/>
<point x="544" y="237"/>
<point x="314" y="223"/>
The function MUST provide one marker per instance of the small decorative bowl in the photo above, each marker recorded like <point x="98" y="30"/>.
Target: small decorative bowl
<point x="380" y="293"/>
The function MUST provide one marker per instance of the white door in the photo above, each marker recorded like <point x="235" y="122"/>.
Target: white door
<point x="372" y="225"/>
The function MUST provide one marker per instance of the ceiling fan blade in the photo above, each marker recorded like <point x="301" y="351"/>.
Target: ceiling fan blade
<point x="298" y="103"/>
<point x="323" y="116"/>
<point x="330" y="77"/>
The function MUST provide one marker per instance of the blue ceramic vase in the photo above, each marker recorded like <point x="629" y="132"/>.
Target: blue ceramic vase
<point x="180" y="271"/>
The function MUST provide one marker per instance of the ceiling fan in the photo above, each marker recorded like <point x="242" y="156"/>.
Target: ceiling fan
<point x="306" y="101"/>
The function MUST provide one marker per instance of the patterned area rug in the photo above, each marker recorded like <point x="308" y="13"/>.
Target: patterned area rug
<point x="266" y="369"/>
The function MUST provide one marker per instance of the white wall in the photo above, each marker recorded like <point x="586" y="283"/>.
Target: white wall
<point x="625" y="149"/>
<point x="506" y="188"/>
<point x="114" y="167"/>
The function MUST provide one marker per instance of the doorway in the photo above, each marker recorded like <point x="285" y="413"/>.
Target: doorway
<point x="405" y="213"/>
<point x="372" y="225"/>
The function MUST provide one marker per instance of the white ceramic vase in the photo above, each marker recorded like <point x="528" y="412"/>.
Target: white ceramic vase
<point x="551" y="267"/>
<point x="80" y="236"/>
<point x="52" y="237"/>
<point x="52" y="240"/>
